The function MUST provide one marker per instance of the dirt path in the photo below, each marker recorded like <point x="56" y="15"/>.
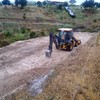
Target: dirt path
<point x="24" y="60"/>
<point x="31" y="20"/>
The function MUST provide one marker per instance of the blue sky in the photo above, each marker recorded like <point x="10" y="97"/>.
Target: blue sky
<point x="78" y="1"/>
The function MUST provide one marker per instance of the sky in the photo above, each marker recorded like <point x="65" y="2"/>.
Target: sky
<point x="77" y="1"/>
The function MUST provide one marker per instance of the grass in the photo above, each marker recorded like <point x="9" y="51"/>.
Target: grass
<point x="78" y="81"/>
<point x="11" y="35"/>
<point x="22" y="33"/>
<point x="17" y="30"/>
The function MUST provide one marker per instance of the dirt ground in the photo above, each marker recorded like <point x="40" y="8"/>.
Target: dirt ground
<point x="78" y="77"/>
<point x="23" y="61"/>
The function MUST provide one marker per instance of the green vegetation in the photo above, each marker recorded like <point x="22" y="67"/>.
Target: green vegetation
<point x="39" y="4"/>
<point x="6" y="2"/>
<point x="23" y="3"/>
<point x="89" y="6"/>
<point x="40" y="21"/>
<point x="12" y="35"/>
<point x="33" y="35"/>
<point x="17" y="32"/>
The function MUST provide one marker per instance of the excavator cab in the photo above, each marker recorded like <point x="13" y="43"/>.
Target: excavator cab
<point x="64" y="40"/>
<point x="65" y="34"/>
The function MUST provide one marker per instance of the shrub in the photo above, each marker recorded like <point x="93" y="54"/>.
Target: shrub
<point x="33" y="35"/>
<point x="60" y="6"/>
<point x="23" y="30"/>
<point x="53" y="29"/>
<point x="2" y="36"/>
<point x="42" y="33"/>
<point x="94" y="20"/>
<point x="17" y="37"/>
<point x="8" y="33"/>
<point x="4" y="43"/>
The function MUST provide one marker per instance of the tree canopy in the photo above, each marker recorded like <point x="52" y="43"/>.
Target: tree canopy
<point x="60" y="6"/>
<point x="39" y="3"/>
<point x="88" y="4"/>
<point x="6" y="2"/>
<point x="65" y="4"/>
<point x="72" y="1"/>
<point x="97" y="4"/>
<point x="23" y="3"/>
<point x="16" y="3"/>
<point x="44" y="3"/>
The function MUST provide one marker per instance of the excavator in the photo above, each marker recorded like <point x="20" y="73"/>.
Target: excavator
<point x="64" y="40"/>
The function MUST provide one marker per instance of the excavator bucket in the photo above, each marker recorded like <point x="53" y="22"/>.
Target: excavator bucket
<point x="48" y="53"/>
<point x="49" y="50"/>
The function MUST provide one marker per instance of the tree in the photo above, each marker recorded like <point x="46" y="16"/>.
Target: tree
<point x="39" y="4"/>
<point x="60" y="6"/>
<point x="65" y="3"/>
<point x="88" y="4"/>
<point x="6" y="2"/>
<point x="0" y="3"/>
<point x="72" y="1"/>
<point x="44" y="3"/>
<point x="97" y="4"/>
<point x="23" y="3"/>
<point x="16" y="3"/>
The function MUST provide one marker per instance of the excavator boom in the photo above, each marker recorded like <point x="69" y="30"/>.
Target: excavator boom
<point x="52" y="39"/>
<point x="65" y="40"/>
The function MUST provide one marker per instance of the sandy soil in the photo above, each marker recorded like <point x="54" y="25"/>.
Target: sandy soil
<point x="76" y="78"/>
<point x="22" y="61"/>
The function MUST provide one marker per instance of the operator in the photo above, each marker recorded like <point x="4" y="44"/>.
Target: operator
<point x="61" y="37"/>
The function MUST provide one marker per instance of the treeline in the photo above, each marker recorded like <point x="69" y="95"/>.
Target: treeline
<point x="87" y="4"/>
<point x="90" y="6"/>
<point x="22" y="3"/>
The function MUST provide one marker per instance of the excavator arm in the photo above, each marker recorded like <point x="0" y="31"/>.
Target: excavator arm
<point x="52" y="39"/>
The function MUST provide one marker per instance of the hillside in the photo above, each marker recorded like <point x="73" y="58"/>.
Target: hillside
<point x="50" y="14"/>
<point x="22" y="55"/>
<point x="40" y="21"/>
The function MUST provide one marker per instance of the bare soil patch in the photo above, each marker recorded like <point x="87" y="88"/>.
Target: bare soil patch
<point x="23" y="61"/>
